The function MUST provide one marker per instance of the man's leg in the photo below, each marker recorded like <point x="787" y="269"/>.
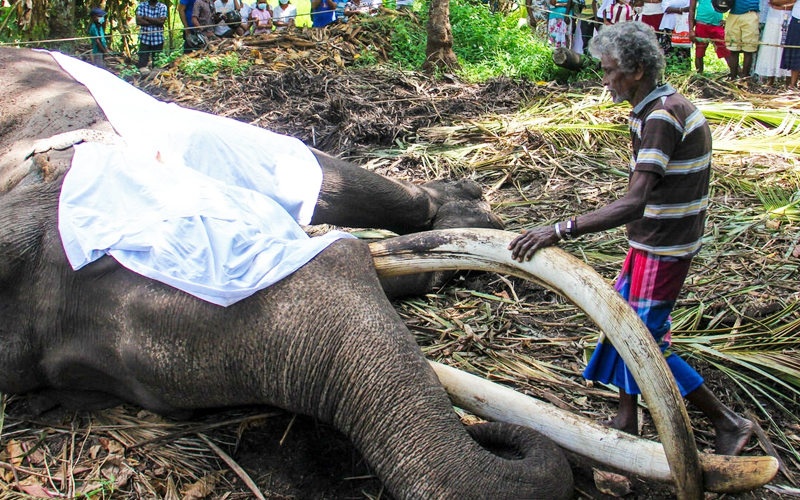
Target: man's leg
<point x="699" y="65"/>
<point x="627" y="418"/>
<point x="747" y="64"/>
<point x="700" y="52"/>
<point x="733" y="63"/>
<point x="732" y="431"/>
<point x="144" y="55"/>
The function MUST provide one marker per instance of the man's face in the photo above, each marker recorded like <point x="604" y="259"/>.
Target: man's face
<point x="622" y="85"/>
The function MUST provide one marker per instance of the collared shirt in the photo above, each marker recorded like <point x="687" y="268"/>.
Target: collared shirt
<point x="151" y="35"/>
<point x="669" y="20"/>
<point x="672" y="139"/>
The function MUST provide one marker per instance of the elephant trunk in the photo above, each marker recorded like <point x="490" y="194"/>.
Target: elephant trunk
<point x="404" y="425"/>
<point x="368" y="377"/>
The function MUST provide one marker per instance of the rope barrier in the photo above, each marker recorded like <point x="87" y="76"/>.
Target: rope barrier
<point x="600" y="23"/>
<point x="567" y="15"/>
<point x="123" y="35"/>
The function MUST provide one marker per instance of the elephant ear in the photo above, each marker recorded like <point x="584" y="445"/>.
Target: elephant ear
<point x="22" y="228"/>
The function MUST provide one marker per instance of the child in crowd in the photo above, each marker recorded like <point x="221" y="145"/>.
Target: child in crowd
<point x="621" y="12"/>
<point x="558" y="23"/>
<point x="98" y="33"/>
<point x="638" y="8"/>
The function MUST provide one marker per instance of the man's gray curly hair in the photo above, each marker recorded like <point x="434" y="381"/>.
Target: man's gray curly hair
<point x="630" y="43"/>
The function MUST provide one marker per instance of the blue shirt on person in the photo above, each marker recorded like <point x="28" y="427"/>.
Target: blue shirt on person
<point x="744" y="6"/>
<point x="323" y="15"/>
<point x="189" y="11"/>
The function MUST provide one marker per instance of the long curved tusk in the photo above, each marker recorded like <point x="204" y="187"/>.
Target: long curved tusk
<point x="487" y="250"/>
<point x="722" y="474"/>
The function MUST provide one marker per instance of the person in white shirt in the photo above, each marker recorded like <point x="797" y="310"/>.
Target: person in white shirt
<point x="245" y="12"/>
<point x="675" y="20"/>
<point x="283" y="15"/>
<point x="221" y="9"/>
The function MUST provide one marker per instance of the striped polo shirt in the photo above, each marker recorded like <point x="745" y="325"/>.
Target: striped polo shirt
<point x="672" y="139"/>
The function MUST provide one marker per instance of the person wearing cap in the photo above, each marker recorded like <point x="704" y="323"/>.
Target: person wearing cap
<point x="98" y="34"/>
<point x="283" y="15"/>
<point x="150" y="17"/>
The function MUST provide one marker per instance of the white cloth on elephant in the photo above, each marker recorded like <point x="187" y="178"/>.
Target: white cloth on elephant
<point x="165" y="206"/>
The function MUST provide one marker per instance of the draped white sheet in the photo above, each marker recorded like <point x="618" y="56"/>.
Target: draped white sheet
<point x="206" y="204"/>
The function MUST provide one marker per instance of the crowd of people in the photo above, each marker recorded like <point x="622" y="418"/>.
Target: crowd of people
<point x="207" y="19"/>
<point x="756" y="38"/>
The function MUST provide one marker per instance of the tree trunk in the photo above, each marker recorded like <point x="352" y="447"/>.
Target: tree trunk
<point x="32" y="17"/>
<point x="439" y="51"/>
<point x="567" y="58"/>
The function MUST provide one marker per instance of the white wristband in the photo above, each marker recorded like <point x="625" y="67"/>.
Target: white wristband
<point x="558" y="230"/>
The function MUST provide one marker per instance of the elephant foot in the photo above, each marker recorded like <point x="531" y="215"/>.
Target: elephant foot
<point x="732" y="441"/>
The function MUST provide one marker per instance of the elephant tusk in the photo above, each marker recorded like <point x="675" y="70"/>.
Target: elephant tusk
<point x="721" y="474"/>
<point x="487" y="250"/>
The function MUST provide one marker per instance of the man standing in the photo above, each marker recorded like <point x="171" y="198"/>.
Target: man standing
<point x="741" y="35"/>
<point x="664" y="213"/>
<point x="190" y="23"/>
<point x="705" y="25"/>
<point x="150" y="16"/>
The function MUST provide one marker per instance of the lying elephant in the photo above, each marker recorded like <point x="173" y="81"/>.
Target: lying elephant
<point x="324" y="342"/>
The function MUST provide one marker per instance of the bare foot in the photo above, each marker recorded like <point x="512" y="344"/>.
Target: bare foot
<point x="732" y="442"/>
<point x="614" y="423"/>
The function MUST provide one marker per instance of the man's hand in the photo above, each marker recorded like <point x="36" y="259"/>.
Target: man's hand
<point x="526" y="244"/>
<point x="692" y="36"/>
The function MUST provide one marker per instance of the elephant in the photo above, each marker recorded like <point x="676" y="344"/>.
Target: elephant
<point x="324" y="341"/>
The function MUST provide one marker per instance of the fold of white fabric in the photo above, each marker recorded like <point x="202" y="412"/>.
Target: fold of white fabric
<point x="206" y="204"/>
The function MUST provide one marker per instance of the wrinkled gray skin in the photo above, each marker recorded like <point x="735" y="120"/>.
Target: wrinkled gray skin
<point x="324" y="342"/>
